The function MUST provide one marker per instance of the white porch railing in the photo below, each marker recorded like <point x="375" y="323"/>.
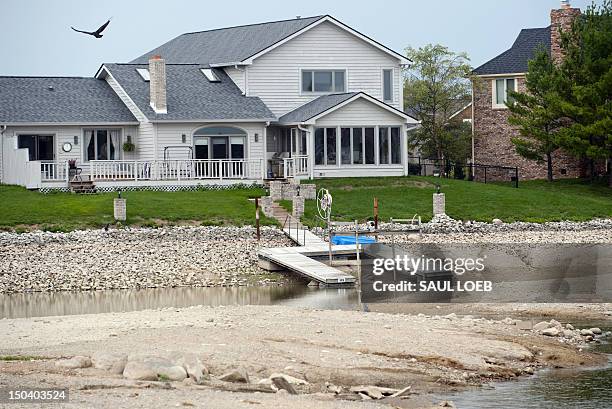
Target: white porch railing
<point x="190" y="169"/>
<point x="53" y="171"/>
<point x="295" y="166"/>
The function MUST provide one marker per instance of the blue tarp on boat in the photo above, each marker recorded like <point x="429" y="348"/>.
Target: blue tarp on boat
<point x="339" y="240"/>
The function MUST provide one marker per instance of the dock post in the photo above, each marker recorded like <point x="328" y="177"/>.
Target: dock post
<point x="257" y="218"/>
<point x="329" y="232"/>
<point x="376" y="213"/>
<point x="358" y="262"/>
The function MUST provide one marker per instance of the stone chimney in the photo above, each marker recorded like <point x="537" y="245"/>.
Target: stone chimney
<point x="560" y="20"/>
<point x="157" y="84"/>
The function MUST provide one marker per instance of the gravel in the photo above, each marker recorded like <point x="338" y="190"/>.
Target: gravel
<point x="446" y="224"/>
<point x="444" y="229"/>
<point x="215" y="256"/>
<point x="133" y="258"/>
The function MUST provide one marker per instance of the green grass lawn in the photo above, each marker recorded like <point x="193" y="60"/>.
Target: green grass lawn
<point x="402" y="197"/>
<point x="21" y="209"/>
<point x="399" y="197"/>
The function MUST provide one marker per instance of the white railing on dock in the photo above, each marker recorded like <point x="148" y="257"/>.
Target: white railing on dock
<point x="53" y="171"/>
<point x="191" y="169"/>
<point x="295" y="166"/>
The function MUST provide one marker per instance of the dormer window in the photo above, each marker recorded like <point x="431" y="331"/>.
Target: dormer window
<point x="210" y="74"/>
<point x="323" y="81"/>
<point x="501" y="86"/>
<point x="144" y="73"/>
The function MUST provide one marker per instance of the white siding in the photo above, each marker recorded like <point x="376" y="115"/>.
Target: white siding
<point x="171" y="135"/>
<point x="64" y="134"/>
<point x="360" y="112"/>
<point x="237" y="75"/>
<point x="357" y="114"/>
<point x="145" y="143"/>
<point x="275" y="76"/>
<point x="126" y="99"/>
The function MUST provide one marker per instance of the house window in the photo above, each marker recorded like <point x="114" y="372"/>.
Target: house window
<point x="389" y="145"/>
<point x="383" y="146"/>
<point x="102" y="144"/>
<point x="345" y="146"/>
<point x="501" y="87"/>
<point x="319" y="146"/>
<point x="357" y="146"/>
<point x="369" y="146"/>
<point x="330" y="145"/>
<point x="387" y="85"/>
<point x="219" y="142"/>
<point x="40" y="147"/>
<point x="323" y="81"/>
<point x="396" y="146"/>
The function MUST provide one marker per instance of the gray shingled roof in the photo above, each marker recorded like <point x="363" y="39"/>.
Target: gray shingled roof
<point x="516" y="59"/>
<point x="72" y="99"/>
<point x="223" y="45"/>
<point x="315" y="107"/>
<point x="190" y="96"/>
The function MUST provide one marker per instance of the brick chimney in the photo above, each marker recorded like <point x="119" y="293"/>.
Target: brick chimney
<point x="157" y="84"/>
<point x="560" y="20"/>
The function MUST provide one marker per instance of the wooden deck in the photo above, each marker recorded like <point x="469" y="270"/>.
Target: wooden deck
<point x="299" y="260"/>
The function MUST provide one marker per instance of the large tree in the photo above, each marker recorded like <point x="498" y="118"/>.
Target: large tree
<point x="535" y="112"/>
<point x="585" y="86"/>
<point x="434" y="84"/>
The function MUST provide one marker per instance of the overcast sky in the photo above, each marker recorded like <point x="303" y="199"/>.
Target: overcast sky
<point x="35" y="35"/>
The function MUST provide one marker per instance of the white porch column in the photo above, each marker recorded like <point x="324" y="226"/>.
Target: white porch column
<point x="265" y="148"/>
<point x="311" y="151"/>
<point x="404" y="146"/>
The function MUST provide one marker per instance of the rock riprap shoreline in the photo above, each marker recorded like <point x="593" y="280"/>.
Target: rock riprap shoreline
<point x="133" y="258"/>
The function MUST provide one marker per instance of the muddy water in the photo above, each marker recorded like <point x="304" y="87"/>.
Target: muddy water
<point x="94" y="302"/>
<point x="585" y="388"/>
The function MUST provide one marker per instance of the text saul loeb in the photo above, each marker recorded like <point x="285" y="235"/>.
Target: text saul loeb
<point x="420" y="265"/>
<point x="434" y="286"/>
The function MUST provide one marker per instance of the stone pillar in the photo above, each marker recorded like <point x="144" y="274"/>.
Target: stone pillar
<point x="439" y="204"/>
<point x="276" y="190"/>
<point x="266" y="205"/>
<point x="119" y="209"/>
<point x="289" y="191"/>
<point x="308" y="191"/>
<point x="298" y="206"/>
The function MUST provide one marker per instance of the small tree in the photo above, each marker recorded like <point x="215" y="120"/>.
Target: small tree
<point x="435" y="81"/>
<point x="535" y="112"/>
<point x="585" y="85"/>
<point x="454" y="141"/>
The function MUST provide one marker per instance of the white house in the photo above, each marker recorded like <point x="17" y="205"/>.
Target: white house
<point x="304" y="98"/>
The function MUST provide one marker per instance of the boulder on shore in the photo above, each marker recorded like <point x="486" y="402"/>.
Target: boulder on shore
<point x="239" y="375"/>
<point x="74" y="362"/>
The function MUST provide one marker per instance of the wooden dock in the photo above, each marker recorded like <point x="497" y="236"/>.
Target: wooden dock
<point x="303" y="237"/>
<point x="300" y="261"/>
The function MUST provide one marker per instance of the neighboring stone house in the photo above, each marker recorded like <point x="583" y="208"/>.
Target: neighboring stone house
<point x="300" y="98"/>
<point x="492" y="134"/>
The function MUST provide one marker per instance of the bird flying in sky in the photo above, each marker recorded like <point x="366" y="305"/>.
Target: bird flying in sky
<point x="97" y="33"/>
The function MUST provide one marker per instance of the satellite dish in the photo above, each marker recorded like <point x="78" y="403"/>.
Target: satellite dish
<point x="324" y="204"/>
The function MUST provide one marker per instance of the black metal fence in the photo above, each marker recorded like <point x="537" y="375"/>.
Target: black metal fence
<point x="463" y="171"/>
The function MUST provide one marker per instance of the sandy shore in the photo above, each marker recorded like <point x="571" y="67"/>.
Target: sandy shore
<point x="343" y="348"/>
